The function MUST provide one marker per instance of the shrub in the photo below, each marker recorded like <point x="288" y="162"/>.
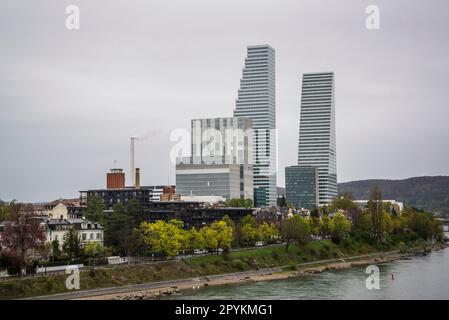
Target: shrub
<point x="275" y="255"/>
<point x="313" y="252"/>
<point x="291" y="267"/>
<point x="238" y="264"/>
<point x="252" y="263"/>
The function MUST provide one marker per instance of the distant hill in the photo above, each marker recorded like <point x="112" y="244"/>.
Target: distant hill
<point x="427" y="193"/>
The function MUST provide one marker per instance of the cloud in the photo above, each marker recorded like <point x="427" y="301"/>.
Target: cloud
<point x="70" y="100"/>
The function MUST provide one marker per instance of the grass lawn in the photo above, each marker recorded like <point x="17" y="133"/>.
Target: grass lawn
<point x="100" y="278"/>
<point x="265" y="258"/>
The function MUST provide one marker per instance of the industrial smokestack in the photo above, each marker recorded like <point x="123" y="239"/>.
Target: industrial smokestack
<point x="137" y="179"/>
<point x="132" y="171"/>
<point x="115" y="179"/>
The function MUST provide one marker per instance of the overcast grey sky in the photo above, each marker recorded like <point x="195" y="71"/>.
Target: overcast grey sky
<point x="70" y="100"/>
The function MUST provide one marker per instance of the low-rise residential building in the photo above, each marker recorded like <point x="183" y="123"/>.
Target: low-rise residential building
<point x="88" y="231"/>
<point x="64" y="208"/>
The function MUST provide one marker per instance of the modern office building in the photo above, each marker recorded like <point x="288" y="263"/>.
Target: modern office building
<point x="257" y="100"/>
<point x="193" y="213"/>
<point x="222" y="141"/>
<point x="301" y="186"/>
<point x="220" y="164"/>
<point x="317" y="145"/>
<point x="116" y="192"/>
<point x="144" y="194"/>
<point x="231" y="181"/>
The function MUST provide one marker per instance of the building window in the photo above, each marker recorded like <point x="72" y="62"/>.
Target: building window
<point x="91" y="236"/>
<point x="98" y="236"/>
<point x="84" y="236"/>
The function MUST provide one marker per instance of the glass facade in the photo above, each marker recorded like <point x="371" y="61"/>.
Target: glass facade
<point x="221" y="159"/>
<point x="260" y="197"/>
<point x="231" y="181"/>
<point x="301" y="186"/>
<point x="222" y="141"/>
<point x="317" y="145"/>
<point x="257" y="100"/>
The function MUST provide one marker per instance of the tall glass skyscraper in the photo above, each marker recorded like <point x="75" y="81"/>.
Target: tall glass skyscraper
<point x="257" y="100"/>
<point x="317" y="146"/>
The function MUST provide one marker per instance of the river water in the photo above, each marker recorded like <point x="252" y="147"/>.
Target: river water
<point x="421" y="277"/>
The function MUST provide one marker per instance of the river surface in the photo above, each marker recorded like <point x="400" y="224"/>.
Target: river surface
<point x="421" y="277"/>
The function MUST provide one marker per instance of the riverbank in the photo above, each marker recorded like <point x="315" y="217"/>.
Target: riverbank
<point x="171" y="277"/>
<point x="279" y="273"/>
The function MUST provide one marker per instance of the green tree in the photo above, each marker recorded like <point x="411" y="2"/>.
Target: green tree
<point x="314" y="225"/>
<point x="339" y="227"/>
<point x="248" y="219"/>
<point x="325" y="226"/>
<point x="438" y="231"/>
<point x="315" y="213"/>
<point x="22" y="234"/>
<point x="210" y="237"/>
<point x="295" y="230"/>
<point x="231" y="223"/>
<point x="46" y="253"/>
<point x="424" y="225"/>
<point x="377" y="214"/>
<point x="196" y="239"/>
<point x="5" y="209"/>
<point x="55" y="249"/>
<point x="135" y="210"/>
<point x="363" y="223"/>
<point x="224" y="234"/>
<point x="71" y="243"/>
<point x="267" y="232"/>
<point x="163" y="237"/>
<point x="129" y="241"/>
<point x="324" y="210"/>
<point x="239" y="203"/>
<point x="95" y="209"/>
<point x="248" y="235"/>
<point x="342" y="203"/>
<point x="247" y="230"/>
<point x="399" y="224"/>
<point x="93" y="250"/>
<point x="248" y="203"/>
<point x="117" y="225"/>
